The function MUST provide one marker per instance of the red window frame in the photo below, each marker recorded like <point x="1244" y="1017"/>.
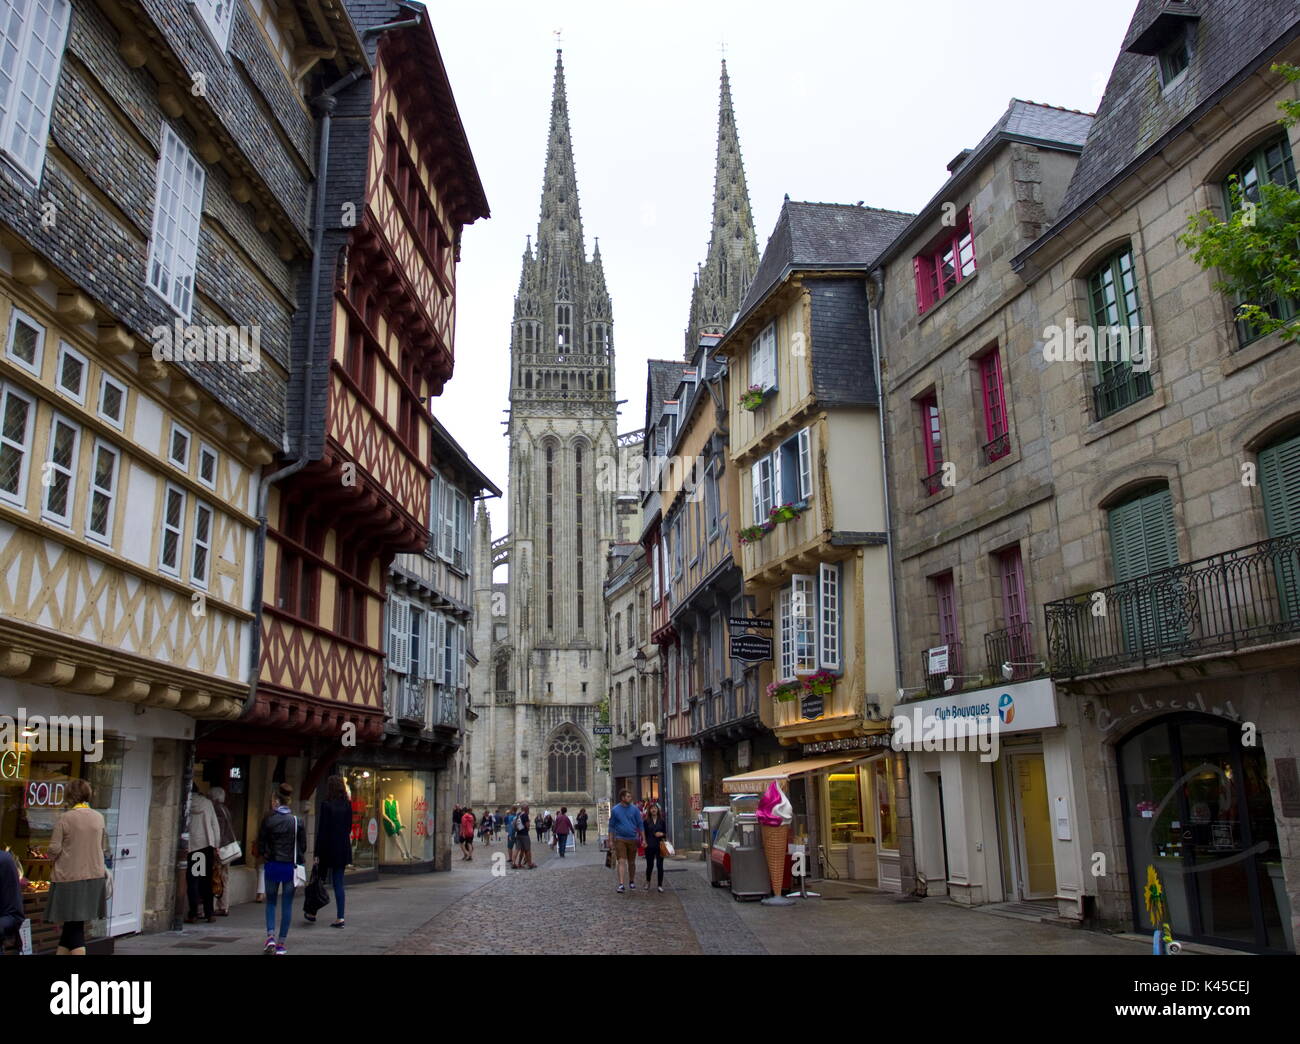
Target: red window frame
<point x="945" y="593"/>
<point x="942" y="266"/>
<point x="1012" y="570"/>
<point x="995" y="402"/>
<point x="931" y="432"/>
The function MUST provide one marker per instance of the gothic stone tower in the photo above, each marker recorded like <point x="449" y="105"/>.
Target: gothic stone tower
<point x="724" y="278"/>
<point x="562" y="516"/>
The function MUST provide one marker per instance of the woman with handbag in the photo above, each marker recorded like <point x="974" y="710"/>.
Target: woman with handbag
<point x="282" y="840"/>
<point x="334" y="841"/>
<point x="228" y="851"/>
<point x="656" y="840"/>
<point x="80" y="883"/>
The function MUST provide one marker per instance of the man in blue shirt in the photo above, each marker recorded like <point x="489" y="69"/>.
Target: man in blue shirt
<point x="625" y="833"/>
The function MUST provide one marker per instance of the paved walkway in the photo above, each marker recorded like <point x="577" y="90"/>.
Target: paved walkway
<point x="570" y="906"/>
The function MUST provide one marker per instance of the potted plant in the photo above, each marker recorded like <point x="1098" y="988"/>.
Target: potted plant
<point x="788" y="511"/>
<point x="752" y="534"/>
<point x="819" y="683"/>
<point x="783" y="692"/>
<point x="753" y="397"/>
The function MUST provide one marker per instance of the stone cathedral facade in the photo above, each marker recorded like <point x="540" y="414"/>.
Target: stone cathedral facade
<point x="541" y="639"/>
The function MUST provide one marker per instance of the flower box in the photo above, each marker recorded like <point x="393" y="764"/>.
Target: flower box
<point x="785" y="692"/>
<point x="788" y="512"/>
<point x="754" y="396"/>
<point x="753" y="534"/>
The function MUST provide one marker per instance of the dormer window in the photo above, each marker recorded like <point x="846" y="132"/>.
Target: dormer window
<point x="1174" y="59"/>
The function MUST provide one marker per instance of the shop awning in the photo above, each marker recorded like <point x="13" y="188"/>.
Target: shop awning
<point x="756" y="780"/>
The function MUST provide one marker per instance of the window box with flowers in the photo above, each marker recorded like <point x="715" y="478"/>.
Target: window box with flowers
<point x="754" y="397"/>
<point x="788" y="511"/>
<point x="820" y="683"/>
<point x="753" y="534"/>
<point x="784" y="692"/>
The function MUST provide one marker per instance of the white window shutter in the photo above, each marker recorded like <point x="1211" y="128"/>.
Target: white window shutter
<point x="461" y="680"/>
<point x="803" y="594"/>
<point x="461" y="527"/>
<point x="437" y="650"/>
<point x="448" y="653"/>
<point x="805" y="464"/>
<point x="828" y="617"/>
<point x="787" y="634"/>
<point x="431" y="647"/>
<point x="778" y="489"/>
<point x="399" y="635"/>
<point x="448" y="520"/>
<point x="435" y="509"/>
<point x="757" y="482"/>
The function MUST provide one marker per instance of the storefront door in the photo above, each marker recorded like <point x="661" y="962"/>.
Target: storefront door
<point x="1198" y="811"/>
<point x="1031" y="826"/>
<point x="128" y="843"/>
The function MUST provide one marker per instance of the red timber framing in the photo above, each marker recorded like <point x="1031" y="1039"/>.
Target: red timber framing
<point x="337" y="524"/>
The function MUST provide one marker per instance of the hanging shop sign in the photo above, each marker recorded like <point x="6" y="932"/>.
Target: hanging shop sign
<point x="751" y="648"/>
<point x="812" y="706"/>
<point x="743" y="622"/>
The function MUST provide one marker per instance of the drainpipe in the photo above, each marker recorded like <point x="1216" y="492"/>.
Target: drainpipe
<point x="875" y="289"/>
<point x="325" y="103"/>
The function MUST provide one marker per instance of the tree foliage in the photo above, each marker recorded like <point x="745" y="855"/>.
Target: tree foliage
<point x="1257" y="249"/>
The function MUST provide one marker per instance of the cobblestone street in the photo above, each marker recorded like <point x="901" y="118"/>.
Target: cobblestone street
<point x="570" y="906"/>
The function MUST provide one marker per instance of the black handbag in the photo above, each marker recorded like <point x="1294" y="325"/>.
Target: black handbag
<point x="315" y="896"/>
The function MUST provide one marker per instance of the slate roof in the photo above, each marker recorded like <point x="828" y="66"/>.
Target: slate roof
<point x="822" y="235"/>
<point x="1230" y="39"/>
<point x="1030" y="122"/>
<point x="663" y="377"/>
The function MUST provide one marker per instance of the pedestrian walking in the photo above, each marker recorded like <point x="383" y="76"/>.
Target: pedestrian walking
<point x="625" y="832"/>
<point x="523" y="843"/>
<point x="581" y="824"/>
<point x="225" y="838"/>
<point x="485" y="827"/>
<point x="656" y="833"/>
<point x="333" y="851"/>
<point x="467" y="834"/>
<point x="205" y="834"/>
<point x="512" y="817"/>
<point x="282" y="840"/>
<point x="80" y="883"/>
<point x="539" y="824"/>
<point x="563" y="828"/>
<point x="456" y="814"/>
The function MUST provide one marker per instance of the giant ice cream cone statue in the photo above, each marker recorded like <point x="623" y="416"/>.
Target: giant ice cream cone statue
<point x="774" y="815"/>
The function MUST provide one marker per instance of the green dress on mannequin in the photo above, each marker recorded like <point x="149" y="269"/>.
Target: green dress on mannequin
<point x="393" y="826"/>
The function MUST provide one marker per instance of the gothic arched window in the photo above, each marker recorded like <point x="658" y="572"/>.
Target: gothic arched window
<point x="563" y="328"/>
<point x="577" y="486"/>
<point x="503" y="676"/>
<point x="566" y="762"/>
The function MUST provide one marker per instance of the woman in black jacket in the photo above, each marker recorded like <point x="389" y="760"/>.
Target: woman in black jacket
<point x="581" y="824"/>
<point x="656" y="830"/>
<point x="282" y="842"/>
<point x="334" y="840"/>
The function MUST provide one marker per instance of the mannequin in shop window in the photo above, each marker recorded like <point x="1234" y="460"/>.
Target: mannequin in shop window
<point x="393" y="825"/>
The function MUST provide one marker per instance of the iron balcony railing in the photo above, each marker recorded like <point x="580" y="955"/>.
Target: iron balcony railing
<point x="1247" y="596"/>
<point x="1013" y="645"/>
<point x="410" y="702"/>
<point x="934" y="682"/>
<point x="932" y="482"/>
<point x="1122" y="387"/>
<point x="997" y="449"/>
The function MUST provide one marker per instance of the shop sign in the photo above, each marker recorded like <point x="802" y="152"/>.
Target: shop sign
<point x="938" y="657"/>
<point x="748" y="621"/>
<point x="43" y="794"/>
<point x="751" y="648"/>
<point x="603" y="730"/>
<point x="874" y="741"/>
<point x="973" y="721"/>
<point x="1106" y="720"/>
<point x="372" y="831"/>
<point x="812" y="706"/>
<point x="14" y="764"/>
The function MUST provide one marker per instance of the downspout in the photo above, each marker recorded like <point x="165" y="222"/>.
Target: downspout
<point x="325" y="103"/>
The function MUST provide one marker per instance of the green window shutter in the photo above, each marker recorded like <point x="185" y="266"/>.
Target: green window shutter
<point x="1279" y="472"/>
<point x="1279" y="468"/>
<point x="1144" y="540"/>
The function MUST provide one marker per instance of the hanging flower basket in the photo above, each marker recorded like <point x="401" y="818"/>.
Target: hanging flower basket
<point x="788" y="512"/>
<point x="785" y="692"/>
<point x="753" y="397"/>
<point x="753" y="534"/>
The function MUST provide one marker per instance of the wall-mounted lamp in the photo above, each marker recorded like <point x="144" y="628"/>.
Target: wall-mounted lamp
<point x="1009" y="672"/>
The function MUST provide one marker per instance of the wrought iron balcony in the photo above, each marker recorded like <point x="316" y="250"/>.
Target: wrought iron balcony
<point x="448" y="711"/>
<point x="1014" y="645"/>
<point x="1122" y="387"/>
<point x="410" y="701"/>
<point x="997" y="449"/>
<point x="932" y="482"/>
<point x="934" y="682"/>
<point x="1247" y="596"/>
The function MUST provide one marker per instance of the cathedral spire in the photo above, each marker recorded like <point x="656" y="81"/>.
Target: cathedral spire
<point x="560" y="221"/>
<point x="733" y="247"/>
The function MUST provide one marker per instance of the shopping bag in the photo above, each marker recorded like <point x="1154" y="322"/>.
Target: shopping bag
<point x="25" y="938"/>
<point x="666" y="847"/>
<point x="315" y="895"/>
<point x="229" y="853"/>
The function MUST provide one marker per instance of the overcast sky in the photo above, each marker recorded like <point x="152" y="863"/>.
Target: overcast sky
<point x="835" y="101"/>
